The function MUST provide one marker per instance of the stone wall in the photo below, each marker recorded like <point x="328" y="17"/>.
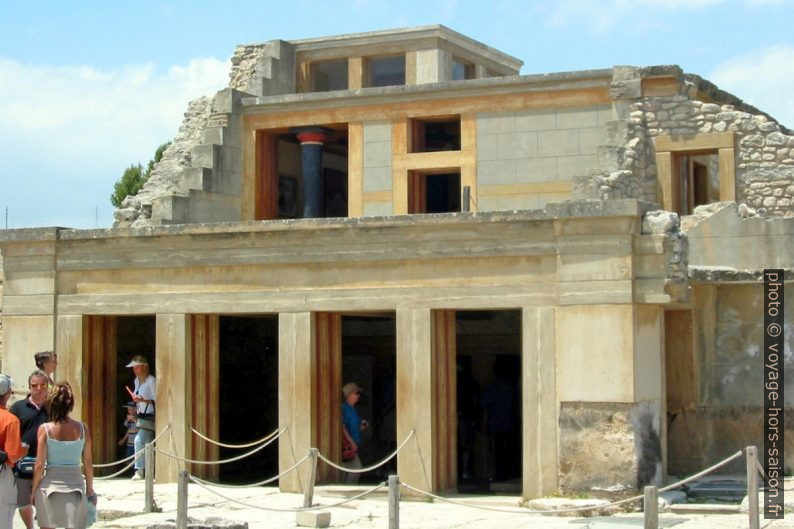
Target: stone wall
<point x="764" y="149"/>
<point x="609" y="444"/>
<point x="536" y="147"/>
<point x="244" y="63"/>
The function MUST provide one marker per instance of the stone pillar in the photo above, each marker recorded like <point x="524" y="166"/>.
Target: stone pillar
<point x="433" y="66"/>
<point x="23" y="336"/>
<point x="538" y="391"/>
<point x="415" y="396"/>
<point x="295" y="405"/>
<point x="312" y="140"/>
<point x="173" y="392"/>
<point x="69" y="346"/>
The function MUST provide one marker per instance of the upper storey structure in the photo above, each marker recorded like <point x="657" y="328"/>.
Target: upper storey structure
<point x="426" y="120"/>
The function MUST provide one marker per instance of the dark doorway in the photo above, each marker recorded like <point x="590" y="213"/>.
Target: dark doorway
<point x="433" y="192"/>
<point x="135" y="335"/>
<point x="369" y="360"/>
<point x="489" y="401"/>
<point x="248" y="351"/>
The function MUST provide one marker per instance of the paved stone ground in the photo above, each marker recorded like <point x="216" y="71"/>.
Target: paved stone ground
<point x="121" y="505"/>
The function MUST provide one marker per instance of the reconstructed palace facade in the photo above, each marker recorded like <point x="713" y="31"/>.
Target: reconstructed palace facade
<point x="403" y="209"/>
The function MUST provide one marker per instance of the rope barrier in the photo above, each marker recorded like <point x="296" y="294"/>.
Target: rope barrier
<point x="275" y="509"/>
<point x="702" y="473"/>
<point x="117" y="474"/>
<point x="220" y="462"/>
<point x="257" y="484"/>
<point x="370" y="468"/>
<point x="246" y="445"/>
<point x="577" y="509"/>
<point x="133" y="456"/>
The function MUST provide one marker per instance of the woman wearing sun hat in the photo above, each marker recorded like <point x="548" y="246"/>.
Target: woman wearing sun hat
<point x="144" y="394"/>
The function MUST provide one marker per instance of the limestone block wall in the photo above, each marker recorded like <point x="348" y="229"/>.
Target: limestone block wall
<point x="377" y="169"/>
<point x="721" y="240"/>
<point x="529" y="158"/>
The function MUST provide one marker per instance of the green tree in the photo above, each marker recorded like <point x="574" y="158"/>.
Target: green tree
<point x="135" y="177"/>
<point x="129" y="184"/>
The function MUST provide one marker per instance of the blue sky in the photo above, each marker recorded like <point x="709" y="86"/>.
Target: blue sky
<point x="88" y="88"/>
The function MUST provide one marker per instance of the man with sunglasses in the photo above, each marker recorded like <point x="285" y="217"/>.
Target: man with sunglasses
<point x="32" y="412"/>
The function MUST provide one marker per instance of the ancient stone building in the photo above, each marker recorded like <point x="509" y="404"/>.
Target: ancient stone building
<point x="577" y="253"/>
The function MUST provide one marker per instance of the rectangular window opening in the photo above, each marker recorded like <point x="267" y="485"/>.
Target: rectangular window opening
<point x="386" y="71"/>
<point x="434" y="192"/>
<point x="329" y="75"/>
<point x="462" y="70"/>
<point x="436" y="134"/>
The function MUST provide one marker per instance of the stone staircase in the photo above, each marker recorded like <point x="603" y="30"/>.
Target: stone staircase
<point x="213" y="180"/>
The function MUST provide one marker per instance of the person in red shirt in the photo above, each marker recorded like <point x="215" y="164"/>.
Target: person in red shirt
<point x="12" y="450"/>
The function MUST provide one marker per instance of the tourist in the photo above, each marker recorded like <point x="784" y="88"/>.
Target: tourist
<point x="11" y="449"/>
<point x="352" y="425"/>
<point x="47" y="361"/>
<point x="32" y="413"/>
<point x="130" y="423"/>
<point x="60" y="490"/>
<point x="144" y="395"/>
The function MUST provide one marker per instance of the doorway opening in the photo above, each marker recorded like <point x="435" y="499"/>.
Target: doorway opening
<point x="369" y="359"/>
<point x="433" y="192"/>
<point x="681" y="389"/>
<point x="248" y="394"/>
<point x="134" y="335"/>
<point x="698" y="181"/>
<point x="488" y="373"/>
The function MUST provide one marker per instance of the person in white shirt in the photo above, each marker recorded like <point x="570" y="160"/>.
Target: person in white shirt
<point x="144" y="396"/>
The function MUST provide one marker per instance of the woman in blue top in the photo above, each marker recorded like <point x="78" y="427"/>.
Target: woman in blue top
<point x="60" y="491"/>
<point x="352" y="424"/>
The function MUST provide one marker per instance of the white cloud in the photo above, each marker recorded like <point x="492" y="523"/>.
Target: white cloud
<point x="762" y="78"/>
<point x="82" y="112"/>
<point x="68" y="131"/>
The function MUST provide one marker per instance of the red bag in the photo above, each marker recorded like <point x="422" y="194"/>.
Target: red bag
<point x="348" y="452"/>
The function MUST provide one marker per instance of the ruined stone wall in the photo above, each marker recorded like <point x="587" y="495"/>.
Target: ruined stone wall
<point x="764" y="149"/>
<point x="166" y="178"/>
<point x="198" y="178"/>
<point x="244" y="64"/>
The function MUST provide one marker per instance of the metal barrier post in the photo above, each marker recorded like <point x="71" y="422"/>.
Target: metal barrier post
<point x="148" y="469"/>
<point x="308" y="494"/>
<point x="752" y="486"/>
<point x="650" y="508"/>
<point x="394" y="502"/>
<point x="181" y="500"/>
<point x="466" y="200"/>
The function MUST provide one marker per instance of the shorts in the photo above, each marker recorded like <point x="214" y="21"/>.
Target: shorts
<point x="24" y="488"/>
